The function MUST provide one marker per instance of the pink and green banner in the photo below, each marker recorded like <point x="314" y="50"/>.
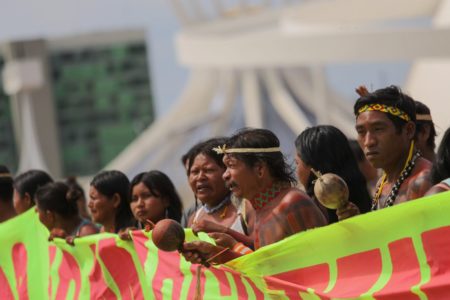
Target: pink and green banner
<point x="396" y="253"/>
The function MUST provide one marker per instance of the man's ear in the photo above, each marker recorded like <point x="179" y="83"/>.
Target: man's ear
<point x="260" y="169"/>
<point x="410" y="130"/>
<point x="116" y="200"/>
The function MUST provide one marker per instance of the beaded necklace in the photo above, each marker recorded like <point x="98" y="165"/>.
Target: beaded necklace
<point x="267" y="195"/>
<point x="409" y="165"/>
<point x="211" y="210"/>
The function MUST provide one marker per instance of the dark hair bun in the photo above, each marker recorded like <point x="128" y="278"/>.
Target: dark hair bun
<point x="73" y="195"/>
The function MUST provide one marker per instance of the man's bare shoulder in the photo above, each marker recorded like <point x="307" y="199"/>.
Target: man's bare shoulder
<point x="422" y="165"/>
<point x="420" y="179"/>
<point x="294" y="198"/>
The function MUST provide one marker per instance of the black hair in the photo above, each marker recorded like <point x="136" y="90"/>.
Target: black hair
<point x="160" y="185"/>
<point x="72" y="182"/>
<point x="422" y="109"/>
<point x="29" y="181"/>
<point x="392" y="96"/>
<point x="262" y="138"/>
<point x="441" y="167"/>
<point x="206" y="148"/>
<point x="357" y="151"/>
<point x="326" y="149"/>
<point x="114" y="182"/>
<point x="58" y="197"/>
<point x="6" y="184"/>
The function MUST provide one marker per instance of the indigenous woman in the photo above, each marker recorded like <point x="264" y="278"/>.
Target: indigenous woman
<point x="25" y="186"/>
<point x="218" y="212"/>
<point x="153" y="198"/>
<point x="108" y="203"/>
<point x="57" y="206"/>
<point x="326" y="149"/>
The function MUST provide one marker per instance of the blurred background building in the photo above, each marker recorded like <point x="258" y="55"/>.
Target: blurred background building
<point x="131" y="85"/>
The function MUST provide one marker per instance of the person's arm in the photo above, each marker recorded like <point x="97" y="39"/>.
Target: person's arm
<point x="200" y="252"/>
<point x="300" y="212"/>
<point x="88" y="229"/>
<point x="124" y="233"/>
<point x="419" y="185"/>
<point x="347" y="211"/>
<point x="436" y="189"/>
<point x="209" y="226"/>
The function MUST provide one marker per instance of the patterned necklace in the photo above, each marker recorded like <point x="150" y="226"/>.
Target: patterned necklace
<point x="267" y="195"/>
<point x="410" y="163"/>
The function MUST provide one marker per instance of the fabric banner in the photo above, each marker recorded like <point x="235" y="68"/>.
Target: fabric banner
<point x="396" y="253"/>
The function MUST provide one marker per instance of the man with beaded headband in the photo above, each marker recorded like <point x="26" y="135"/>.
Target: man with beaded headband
<point x="256" y="170"/>
<point x="385" y="123"/>
<point x="425" y="131"/>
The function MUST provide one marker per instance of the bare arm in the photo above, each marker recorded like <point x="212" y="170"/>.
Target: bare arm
<point x="301" y="212"/>
<point x="436" y="189"/>
<point x="419" y="185"/>
<point x="88" y="229"/>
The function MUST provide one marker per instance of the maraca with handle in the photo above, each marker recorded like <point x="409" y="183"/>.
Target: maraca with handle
<point x="168" y="235"/>
<point x="330" y="190"/>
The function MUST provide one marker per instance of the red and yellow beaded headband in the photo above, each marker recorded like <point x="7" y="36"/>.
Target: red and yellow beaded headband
<point x="386" y="109"/>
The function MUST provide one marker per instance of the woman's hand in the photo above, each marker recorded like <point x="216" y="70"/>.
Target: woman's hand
<point x="348" y="210"/>
<point x="204" y="253"/>
<point x="223" y="239"/>
<point x="124" y="233"/>
<point x="57" y="233"/>
<point x="207" y="226"/>
<point x="199" y="252"/>
<point x="70" y="240"/>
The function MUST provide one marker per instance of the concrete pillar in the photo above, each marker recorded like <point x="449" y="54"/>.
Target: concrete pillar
<point x="26" y="80"/>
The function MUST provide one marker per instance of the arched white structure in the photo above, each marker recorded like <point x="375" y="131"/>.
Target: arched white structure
<point x="277" y="57"/>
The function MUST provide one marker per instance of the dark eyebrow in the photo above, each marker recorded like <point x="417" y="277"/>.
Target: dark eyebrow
<point x="374" y="123"/>
<point x="378" y="123"/>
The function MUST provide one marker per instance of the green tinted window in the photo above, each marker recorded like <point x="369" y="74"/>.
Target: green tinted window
<point x="103" y="100"/>
<point x="8" y="154"/>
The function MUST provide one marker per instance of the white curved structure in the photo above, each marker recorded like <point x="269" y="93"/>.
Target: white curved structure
<point x="260" y="64"/>
<point x="264" y="66"/>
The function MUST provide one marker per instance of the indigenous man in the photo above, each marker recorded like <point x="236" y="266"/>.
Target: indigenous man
<point x="256" y="170"/>
<point x="425" y="131"/>
<point x="385" y="123"/>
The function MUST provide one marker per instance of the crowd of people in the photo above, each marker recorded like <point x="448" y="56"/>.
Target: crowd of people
<point x="246" y="194"/>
